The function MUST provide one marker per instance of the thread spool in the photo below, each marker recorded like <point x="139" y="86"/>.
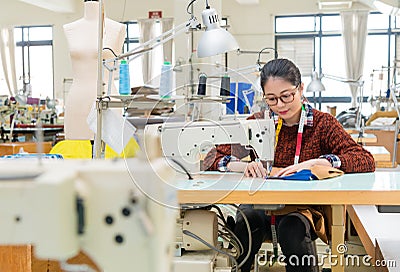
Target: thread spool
<point x="201" y="89"/>
<point x="225" y="86"/>
<point x="166" y="80"/>
<point x="124" y="80"/>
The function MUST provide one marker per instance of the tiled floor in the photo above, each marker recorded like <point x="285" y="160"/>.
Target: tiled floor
<point x="354" y="248"/>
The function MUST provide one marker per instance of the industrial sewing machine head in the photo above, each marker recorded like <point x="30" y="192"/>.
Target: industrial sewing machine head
<point x="186" y="143"/>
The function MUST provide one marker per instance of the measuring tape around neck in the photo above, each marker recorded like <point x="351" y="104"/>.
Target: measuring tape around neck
<point x="296" y="161"/>
<point x="299" y="133"/>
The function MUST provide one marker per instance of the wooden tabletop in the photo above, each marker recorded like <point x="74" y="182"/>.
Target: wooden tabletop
<point x="365" y="188"/>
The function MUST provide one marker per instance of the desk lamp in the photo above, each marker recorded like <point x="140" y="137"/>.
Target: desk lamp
<point x="315" y="86"/>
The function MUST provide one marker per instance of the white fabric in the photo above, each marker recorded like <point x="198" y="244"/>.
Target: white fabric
<point x="147" y="32"/>
<point x="354" y="32"/>
<point x="7" y="45"/>
<point x="116" y="130"/>
<point x="151" y="61"/>
<point x="166" y="25"/>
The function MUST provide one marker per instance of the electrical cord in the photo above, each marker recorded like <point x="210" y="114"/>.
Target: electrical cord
<point x="221" y="216"/>
<point x="194" y="236"/>
<point x="225" y="236"/>
<point x="188" y="6"/>
<point x="112" y="51"/>
<point x="220" y="213"/>
<point x="265" y="48"/>
<point x="248" y="231"/>
<point x="183" y="168"/>
<point x="230" y="239"/>
<point x="236" y="239"/>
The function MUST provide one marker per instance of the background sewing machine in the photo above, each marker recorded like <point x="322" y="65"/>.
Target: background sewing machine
<point x="118" y="212"/>
<point x="186" y="143"/>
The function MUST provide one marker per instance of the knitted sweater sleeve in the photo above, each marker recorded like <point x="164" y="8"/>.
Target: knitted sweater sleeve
<point x="354" y="158"/>
<point x="215" y="155"/>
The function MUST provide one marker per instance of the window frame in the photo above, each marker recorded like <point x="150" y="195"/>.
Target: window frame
<point x="25" y="45"/>
<point x="319" y="34"/>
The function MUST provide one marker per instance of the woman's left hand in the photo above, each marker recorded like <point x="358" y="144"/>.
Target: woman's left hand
<point x="300" y="166"/>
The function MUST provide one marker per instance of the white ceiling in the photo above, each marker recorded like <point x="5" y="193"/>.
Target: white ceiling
<point x="64" y="6"/>
<point x="248" y="2"/>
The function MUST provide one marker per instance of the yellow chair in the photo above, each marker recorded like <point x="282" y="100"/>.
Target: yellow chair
<point x="82" y="149"/>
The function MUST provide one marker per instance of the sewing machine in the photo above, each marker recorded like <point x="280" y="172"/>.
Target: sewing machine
<point x="186" y="143"/>
<point x="122" y="213"/>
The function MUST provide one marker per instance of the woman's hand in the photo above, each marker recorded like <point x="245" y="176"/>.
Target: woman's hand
<point x="300" y="166"/>
<point x="252" y="169"/>
<point x="255" y="169"/>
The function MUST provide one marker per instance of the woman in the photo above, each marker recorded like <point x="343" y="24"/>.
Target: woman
<point x="305" y="137"/>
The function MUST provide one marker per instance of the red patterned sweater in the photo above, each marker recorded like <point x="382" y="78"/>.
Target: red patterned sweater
<point x="325" y="136"/>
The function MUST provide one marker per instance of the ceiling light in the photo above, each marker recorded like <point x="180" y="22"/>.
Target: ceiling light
<point x="334" y="5"/>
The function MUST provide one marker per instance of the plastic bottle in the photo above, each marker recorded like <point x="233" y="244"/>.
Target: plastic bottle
<point x="124" y="80"/>
<point x="166" y="80"/>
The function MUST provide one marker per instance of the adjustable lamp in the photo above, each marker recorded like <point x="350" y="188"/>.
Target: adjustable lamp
<point x="315" y="84"/>
<point x="214" y="41"/>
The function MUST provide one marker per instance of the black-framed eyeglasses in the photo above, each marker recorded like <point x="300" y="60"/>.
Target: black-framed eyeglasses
<point x="286" y="98"/>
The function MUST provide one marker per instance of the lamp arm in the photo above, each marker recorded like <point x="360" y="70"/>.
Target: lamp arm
<point x="267" y="48"/>
<point x="138" y="51"/>
<point x="357" y="82"/>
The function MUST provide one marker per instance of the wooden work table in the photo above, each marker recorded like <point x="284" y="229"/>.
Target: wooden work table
<point x="364" y="189"/>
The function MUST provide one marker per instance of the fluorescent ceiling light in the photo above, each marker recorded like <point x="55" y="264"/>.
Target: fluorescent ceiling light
<point x="334" y="5"/>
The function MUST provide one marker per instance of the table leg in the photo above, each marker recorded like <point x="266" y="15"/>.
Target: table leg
<point x="338" y="248"/>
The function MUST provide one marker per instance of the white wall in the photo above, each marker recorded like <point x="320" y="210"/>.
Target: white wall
<point x="252" y="25"/>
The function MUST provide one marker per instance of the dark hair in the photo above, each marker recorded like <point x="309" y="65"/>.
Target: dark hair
<point x="281" y="68"/>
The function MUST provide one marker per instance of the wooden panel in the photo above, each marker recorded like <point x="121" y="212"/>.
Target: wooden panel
<point x="367" y="241"/>
<point x="39" y="265"/>
<point x="22" y="259"/>
<point x="15" y="258"/>
<point x="383" y="138"/>
<point x="30" y="147"/>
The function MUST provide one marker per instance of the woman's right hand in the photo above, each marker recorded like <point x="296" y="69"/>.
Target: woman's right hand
<point x="252" y="169"/>
<point x="255" y="169"/>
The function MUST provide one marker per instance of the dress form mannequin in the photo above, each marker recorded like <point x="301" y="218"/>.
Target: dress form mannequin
<point x="82" y="37"/>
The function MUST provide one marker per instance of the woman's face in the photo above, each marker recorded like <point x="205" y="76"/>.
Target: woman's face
<point x="284" y="99"/>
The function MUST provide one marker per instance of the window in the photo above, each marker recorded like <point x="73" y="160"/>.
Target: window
<point x="132" y="41"/>
<point x="327" y="54"/>
<point x="34" y="59"/>
<point x="135" y="66"/>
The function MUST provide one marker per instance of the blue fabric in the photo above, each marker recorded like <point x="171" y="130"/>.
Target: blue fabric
<point x="304" y="174"/>
<point x="32" y="156"/>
